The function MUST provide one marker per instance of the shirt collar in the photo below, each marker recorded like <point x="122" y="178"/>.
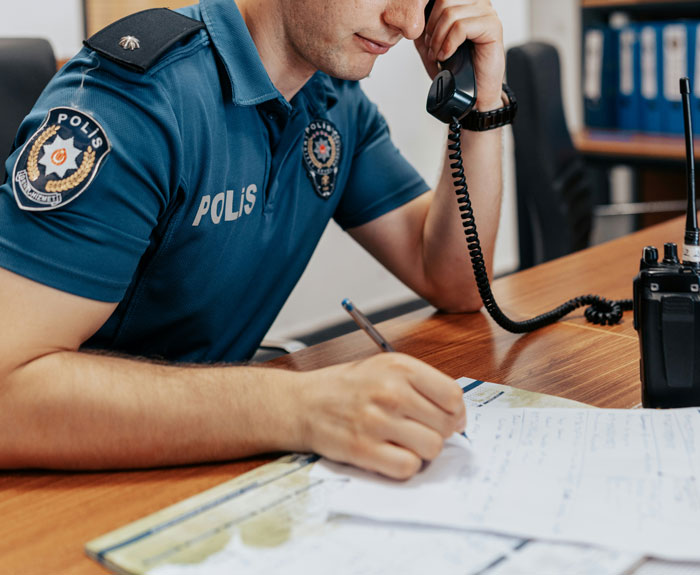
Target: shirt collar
<point x="250" y="84"/>
<point x="320" y="92"/>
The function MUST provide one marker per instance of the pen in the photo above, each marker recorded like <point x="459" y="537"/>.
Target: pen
<point x="363" y="322"/>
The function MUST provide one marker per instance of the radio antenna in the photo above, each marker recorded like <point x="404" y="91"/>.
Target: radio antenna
<point x="691" y="243"/>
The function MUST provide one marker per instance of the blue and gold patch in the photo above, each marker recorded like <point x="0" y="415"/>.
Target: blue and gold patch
<point x="59" y="161"/>
<point x="322" y="150"/>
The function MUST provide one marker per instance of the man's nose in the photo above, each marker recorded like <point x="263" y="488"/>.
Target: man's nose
<point x="406" y="16"/>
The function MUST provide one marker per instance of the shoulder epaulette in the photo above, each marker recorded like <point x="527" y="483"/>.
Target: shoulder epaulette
<point x="139" y="40"/>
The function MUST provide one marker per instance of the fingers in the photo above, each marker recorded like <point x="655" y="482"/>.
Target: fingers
<point x="394" y="446"/>
<point x="380" y="442"/>
<point x="409" y="388"/>
<point x="450" y="38"/>
<point x="420" y="409"/>
<point x="438" y="389"/>
<point x="390" y="460"/>
<point x="424" y="442"/>
<point x="450" y="25"/>
<point x="429" y="63"/>
<point x="387" y="413"/>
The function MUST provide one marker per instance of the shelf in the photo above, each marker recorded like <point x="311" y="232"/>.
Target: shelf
<point x="615" y="144"/>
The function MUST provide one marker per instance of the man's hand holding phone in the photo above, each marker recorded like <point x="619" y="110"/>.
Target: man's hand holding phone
<point x="449" y="24"/>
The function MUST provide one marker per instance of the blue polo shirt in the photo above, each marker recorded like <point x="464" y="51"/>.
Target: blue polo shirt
<point x="202" y="192"/>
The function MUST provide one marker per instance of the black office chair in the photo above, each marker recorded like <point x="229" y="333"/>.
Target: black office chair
<point x="557" y="196"/>
<point x="554" y="190"/>
<point x="26" y="66"/>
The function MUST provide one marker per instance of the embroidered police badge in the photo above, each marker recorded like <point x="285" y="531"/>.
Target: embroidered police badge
<point x="322" y="149"/>
<point x="59" y="161"/>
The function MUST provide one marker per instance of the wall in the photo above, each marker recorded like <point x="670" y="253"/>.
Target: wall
<point x="559" y="23"/>
<point x="399" y="85"/>
<point x="61" y="22"/>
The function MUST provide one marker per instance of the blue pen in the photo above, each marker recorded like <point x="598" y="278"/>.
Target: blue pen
<point x="363" y="322"/>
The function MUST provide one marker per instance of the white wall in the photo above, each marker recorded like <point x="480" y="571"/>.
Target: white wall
<point x="60" y="21"/>
<point x="559" y="23"/>
<point x="399" y="85"/>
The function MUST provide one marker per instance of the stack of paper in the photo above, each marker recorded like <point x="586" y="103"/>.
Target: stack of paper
<point x="283" y="517"/>
<point x="624" y="479"/>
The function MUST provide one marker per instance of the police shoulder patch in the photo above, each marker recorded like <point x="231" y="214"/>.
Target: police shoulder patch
<point x="322" y="152"/>
<point x="59" y="161"/>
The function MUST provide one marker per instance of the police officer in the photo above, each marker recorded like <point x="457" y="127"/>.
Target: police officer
<point x="164" y="196"/>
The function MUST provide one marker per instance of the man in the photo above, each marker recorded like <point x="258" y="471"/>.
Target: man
<point x="163" y="203"/>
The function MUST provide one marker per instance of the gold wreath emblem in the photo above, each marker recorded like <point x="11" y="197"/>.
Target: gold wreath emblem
<point x="314" y="159"/>
<point x="57" y="186"/>
<point x="32" y="161"/>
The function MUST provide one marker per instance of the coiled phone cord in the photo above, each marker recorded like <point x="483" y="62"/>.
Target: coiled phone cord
<point x="601" y="311"/>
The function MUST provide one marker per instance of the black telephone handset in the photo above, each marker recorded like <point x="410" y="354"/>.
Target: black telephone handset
<point x="453" y="91"/>
<point x="451" y="98"/>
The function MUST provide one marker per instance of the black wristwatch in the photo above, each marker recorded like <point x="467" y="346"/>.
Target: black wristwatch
<point x="481" y="121"/>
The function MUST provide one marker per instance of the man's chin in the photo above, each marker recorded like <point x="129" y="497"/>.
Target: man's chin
<point x="353" y="72"/>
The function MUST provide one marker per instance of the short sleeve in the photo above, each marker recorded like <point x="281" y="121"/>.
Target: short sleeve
<point x="90" y="246"/>
<point x="381" y="179"/>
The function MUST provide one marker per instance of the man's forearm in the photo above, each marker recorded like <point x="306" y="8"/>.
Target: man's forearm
<point x="445" y="250"/>
<point x="446" y="275"/>
<point x="76" y="410"/>
<point x="69" y="410"/>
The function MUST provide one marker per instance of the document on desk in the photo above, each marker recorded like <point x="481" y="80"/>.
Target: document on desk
<point x="622" y="479"/>
<point x="275" y="519"/>
<point x="477" y="393"/>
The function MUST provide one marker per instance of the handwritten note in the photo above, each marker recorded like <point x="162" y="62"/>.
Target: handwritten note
<point x="624" y="479"/>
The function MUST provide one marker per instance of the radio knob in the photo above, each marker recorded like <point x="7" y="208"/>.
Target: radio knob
<point x="650" y="256"/>
<point x="670" y="253"/>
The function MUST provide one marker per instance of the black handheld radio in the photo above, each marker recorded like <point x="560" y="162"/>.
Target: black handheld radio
<point x="667" y="305"/>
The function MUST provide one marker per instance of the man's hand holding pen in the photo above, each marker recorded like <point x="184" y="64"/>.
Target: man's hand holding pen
<point x="387" y="413"/>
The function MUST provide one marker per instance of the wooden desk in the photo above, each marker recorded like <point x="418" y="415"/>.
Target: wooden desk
<point x="47" y="517"/>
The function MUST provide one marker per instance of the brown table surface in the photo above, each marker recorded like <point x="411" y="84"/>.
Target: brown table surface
<point x="47" y="517"/>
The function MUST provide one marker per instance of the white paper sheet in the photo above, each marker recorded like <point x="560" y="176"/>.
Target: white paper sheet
<point x="655" y="567"/>
<point x="547" y="558"/>
<point x="358" y="548"/>
<point x="623" y="479"/>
